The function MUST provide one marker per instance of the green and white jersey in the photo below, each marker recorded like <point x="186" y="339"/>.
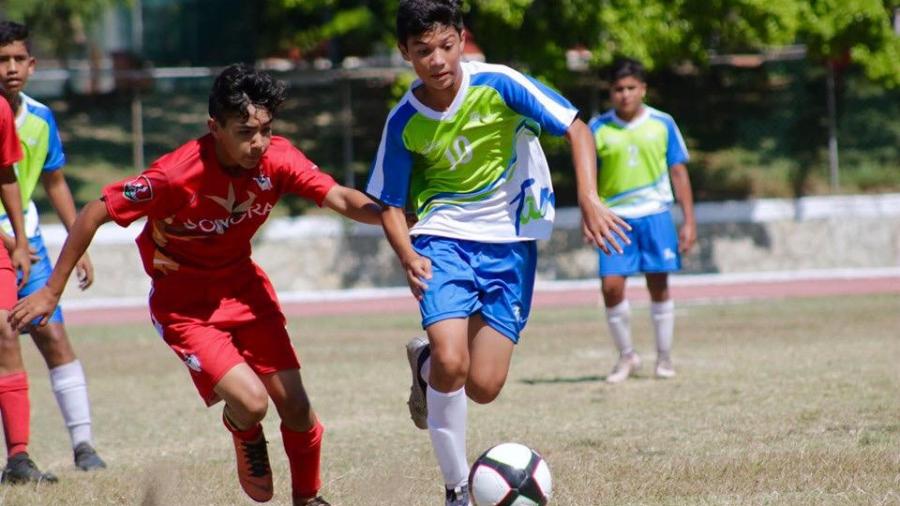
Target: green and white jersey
<point x="42" y="150"/>
<point x="475" y="171"/>
<point x="634" y="161"/>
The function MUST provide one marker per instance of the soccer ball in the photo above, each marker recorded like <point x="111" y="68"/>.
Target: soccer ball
<point x="510" y="474"/>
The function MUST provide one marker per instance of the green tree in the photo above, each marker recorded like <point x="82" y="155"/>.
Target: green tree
<point x="860" y="29"/>
<point x="58" y="25"/>
<point x="667" y="32"/>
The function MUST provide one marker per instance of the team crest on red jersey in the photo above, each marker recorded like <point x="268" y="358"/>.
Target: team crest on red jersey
<point x="263" y="182"/>
<point x="138" y="189"/>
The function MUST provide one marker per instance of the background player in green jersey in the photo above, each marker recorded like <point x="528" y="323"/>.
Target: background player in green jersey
<point x="42" y="162"/>
<point x="641" y="157"/>
<point x="462" y="149"/>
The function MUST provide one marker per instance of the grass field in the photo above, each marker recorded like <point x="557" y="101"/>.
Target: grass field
<point x="777" y="402"/>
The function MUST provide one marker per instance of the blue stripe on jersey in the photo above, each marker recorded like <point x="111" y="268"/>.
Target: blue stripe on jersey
<point x="55" y="156"/>
<point x="598" y="121"/>
<point x="676" y="150"/>
<point x="520" y="99"/>
<point x="393" y="190"/>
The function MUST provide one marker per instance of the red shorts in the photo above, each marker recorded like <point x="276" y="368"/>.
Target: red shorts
<point x="8" y="289"/>
<point x="216" y="323"/>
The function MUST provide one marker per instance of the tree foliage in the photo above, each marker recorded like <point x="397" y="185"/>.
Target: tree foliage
<point x="668" y="32"/>
<point x="537" y="33"/>
<point x="59" y="23"/>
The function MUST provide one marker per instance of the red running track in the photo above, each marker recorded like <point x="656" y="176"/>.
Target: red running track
<point x="711" y="292"/>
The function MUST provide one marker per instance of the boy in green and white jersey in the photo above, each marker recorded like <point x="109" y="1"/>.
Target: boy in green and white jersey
<point x="642" y="155"/>
<point x="462" y="149"/>
<point x="42" y="163"/>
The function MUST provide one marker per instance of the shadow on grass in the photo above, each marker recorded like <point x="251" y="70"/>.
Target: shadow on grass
<point x="556" y="380"/>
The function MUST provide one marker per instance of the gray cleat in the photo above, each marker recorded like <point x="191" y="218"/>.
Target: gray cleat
<point x="417" y="351"/>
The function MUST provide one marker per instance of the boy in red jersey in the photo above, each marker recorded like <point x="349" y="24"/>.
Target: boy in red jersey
<point x="15" y="408"/>
<point x="210" y="302"/>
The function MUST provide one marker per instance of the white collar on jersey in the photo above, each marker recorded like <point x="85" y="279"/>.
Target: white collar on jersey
<point x="430" y="113"/>
<point x="634" y="123"/>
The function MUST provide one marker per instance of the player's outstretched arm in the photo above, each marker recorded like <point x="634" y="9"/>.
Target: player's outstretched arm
<point x="353" y="204"/>
<point x="42" y="302"/>
<point x="598" y="224"/>
<point x="60" y="196"/>
<point x="681" y="181"/>
<point x="12" y="202"/>
<point x="417" y="267"/>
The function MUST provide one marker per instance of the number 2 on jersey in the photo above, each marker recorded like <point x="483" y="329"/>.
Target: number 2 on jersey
<point x="632" y="155"/>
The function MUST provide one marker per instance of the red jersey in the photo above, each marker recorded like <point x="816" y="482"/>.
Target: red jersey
<point x="200" y="219"/>
<point x="10" y="150"/>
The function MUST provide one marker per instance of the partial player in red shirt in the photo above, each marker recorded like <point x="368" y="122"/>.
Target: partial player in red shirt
<point x="210" y="302"/>
<point x="15" y="408"/>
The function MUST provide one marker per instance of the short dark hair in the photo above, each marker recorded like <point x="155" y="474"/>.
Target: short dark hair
<point x="239" y="86"/>
<point x="627" y="67"/>
<point x="10" y="32"/>
<point x="415" y="17"/>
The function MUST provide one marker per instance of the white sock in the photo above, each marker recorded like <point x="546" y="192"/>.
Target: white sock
<point x="447" y="427"/>
<point x="618" y="318"/>
<point x="425" y="370"/>
<point x="70" y="389"/>
<point x="663" y="315"/>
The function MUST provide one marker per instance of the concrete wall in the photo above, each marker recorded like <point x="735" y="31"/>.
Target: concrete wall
<point x="323" y="252"/>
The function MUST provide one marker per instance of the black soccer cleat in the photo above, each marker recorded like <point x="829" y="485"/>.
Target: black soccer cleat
<point x="21" y="469"/>
<point x="86" y="458"/>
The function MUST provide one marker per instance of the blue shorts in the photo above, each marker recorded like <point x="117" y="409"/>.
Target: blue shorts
<point x="468" y="277"/>
<point x="653" y="248"/>
<point x="40" y="273"/>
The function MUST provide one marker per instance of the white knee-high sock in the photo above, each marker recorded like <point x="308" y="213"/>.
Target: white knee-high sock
<point x="618" y="318"/>
<point x="425" y="370"/>
<point x="663" y="314"/>
<point x="447" y="427"/>
<point x="70" y="389"/>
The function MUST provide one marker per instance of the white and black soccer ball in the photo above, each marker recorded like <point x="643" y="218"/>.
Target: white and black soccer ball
<point x="510" y="474"/>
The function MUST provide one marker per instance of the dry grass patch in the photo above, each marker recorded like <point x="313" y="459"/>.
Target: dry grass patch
<point x="782" y="402"/>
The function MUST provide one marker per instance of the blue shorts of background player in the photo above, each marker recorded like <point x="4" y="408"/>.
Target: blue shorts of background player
<point x="469" y="277"/>
<point x="653" y="248"/>
<point x="37" y="279"/>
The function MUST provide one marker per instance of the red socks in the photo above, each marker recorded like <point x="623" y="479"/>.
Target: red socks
<point x="16" y="411"/>
<point x="303" y="450"/>
<point x="249" y="435"/>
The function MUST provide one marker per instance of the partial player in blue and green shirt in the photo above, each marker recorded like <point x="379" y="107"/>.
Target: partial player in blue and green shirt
<point x="461" y="150"/>
<point x="43" y="152"/>
<point x="642" y="155"/>
<point x="42" y="163"/>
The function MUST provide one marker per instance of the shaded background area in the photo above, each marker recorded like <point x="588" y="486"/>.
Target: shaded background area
<point x="746" y="81"/>
<point x="752" y="132"/>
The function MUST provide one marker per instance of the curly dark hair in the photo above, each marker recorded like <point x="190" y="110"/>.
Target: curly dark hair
<point x="415" y="17"/>
<point x="10" y="32"/>
<point x="239" y="86"/>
